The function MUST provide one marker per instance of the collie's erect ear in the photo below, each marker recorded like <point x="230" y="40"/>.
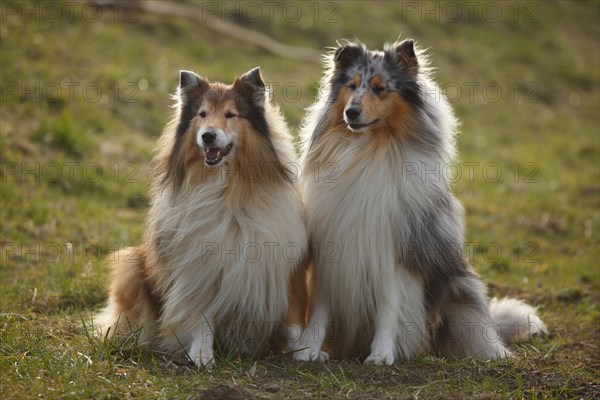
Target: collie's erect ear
<point x="189" y="79"/>
<point x="251" y="85"/>
<point x="190" y="82"/>
<point x="253" y="79"/>
<point x="345" y="55"/>
<point x="405" y="52"/>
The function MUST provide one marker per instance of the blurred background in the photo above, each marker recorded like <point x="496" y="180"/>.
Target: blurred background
<point x="85" y="91"/>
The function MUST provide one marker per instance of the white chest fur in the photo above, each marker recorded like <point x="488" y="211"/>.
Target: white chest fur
<point x="229" y="260"/>
<point x="356" y="211"/>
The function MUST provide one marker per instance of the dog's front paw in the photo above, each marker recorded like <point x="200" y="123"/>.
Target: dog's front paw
<point x="311" y="354"/>
<point x="380" y="359"/>
<point x="204" y="359"/>
<point x="202" y="354"/>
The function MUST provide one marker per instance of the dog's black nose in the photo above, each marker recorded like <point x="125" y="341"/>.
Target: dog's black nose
<point x="353" y="112"/>
<point x="209" y="137"/>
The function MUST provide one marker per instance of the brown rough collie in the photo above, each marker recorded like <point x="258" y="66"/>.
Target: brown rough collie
<point x="225" y="253"/>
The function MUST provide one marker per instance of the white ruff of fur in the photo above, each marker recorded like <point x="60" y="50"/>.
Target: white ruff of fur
<point x="222" y="271"/>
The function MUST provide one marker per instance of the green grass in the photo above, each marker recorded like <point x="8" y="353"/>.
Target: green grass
<point x="75" y="176"/>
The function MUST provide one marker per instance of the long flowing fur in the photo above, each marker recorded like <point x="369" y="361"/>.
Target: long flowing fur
<point x="223" y="244"/>
<point x="390" y="278"/>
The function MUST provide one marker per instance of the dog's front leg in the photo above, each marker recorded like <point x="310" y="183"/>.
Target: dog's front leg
<point x="201" y="350"/>
<point x="313" y="336"/>
<point x="400" y="320"/>
<point x="383" y="346"/>
<point x="298" y="298"/>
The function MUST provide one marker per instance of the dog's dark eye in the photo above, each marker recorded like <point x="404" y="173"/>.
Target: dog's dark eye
<point x="229" y="115"/>
<point x="377" y="89"/>
<point x="352" y="86"/>
<point x="202" y="114"/>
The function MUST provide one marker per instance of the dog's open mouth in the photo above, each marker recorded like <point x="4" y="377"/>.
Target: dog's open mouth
<point x="358" y="127"/>
<point x="214" y="155"/>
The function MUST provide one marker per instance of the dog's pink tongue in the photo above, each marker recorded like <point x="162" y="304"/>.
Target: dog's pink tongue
<point x="213" y="153"/>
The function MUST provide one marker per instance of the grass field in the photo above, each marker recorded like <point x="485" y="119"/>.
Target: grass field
<point x="85" y="93"/>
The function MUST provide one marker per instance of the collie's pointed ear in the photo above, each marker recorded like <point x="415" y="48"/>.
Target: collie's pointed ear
<point x="345" y="55"/>
<point x="251" y="86"/>
<point x="189" y="79"/>
<point x="254" y="79"/>
<point x="405" y="52"/>
<point x="190" y="82"/>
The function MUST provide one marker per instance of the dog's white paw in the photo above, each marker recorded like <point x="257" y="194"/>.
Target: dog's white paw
<point x="311" y="354"/>
<point x="380" y="359"/>
<point x="201" y="351"/>
<point x="204" y="359"/>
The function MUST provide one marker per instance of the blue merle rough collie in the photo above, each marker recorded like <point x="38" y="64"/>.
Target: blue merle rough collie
<point x="391" y="281"/>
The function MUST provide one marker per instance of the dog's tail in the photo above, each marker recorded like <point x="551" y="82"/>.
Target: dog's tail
<point x="517" y="321"/>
